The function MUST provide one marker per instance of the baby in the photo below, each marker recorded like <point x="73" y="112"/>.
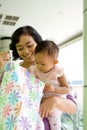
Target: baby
<point x="47" y="70"/>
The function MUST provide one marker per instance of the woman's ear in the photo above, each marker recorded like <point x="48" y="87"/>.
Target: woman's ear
<point x="55" y="61"/>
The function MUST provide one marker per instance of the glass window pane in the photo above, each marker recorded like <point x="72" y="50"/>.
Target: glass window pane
<point x="71" y="59"/>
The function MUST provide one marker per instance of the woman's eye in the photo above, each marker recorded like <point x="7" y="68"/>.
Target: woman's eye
<point x="29" y="45"/>
<point x="20" y="49"/>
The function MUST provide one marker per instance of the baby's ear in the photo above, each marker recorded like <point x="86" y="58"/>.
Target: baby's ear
<point x="55" y="61"/>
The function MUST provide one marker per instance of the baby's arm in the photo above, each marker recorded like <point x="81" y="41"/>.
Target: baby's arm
<point x="63" y="89"/>
<point x="64" y="86"/>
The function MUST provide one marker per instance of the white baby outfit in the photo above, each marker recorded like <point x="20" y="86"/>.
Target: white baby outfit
<point x="51" y="77"/>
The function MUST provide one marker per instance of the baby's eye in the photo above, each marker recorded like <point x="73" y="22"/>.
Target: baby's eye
<point x="42" y="64"/>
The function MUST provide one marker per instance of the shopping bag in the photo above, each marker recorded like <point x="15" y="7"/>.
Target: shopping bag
<point x="20" y="97"/>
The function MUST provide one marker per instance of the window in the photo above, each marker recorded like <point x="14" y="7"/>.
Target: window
<point x="71" y="59"/>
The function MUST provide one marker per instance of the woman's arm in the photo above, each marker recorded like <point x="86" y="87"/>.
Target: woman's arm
<point x="4" y="58"/>
<point x="48" y="105"/>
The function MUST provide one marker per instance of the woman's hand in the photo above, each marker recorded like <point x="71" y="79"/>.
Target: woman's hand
<point x="47" y="106"/>
<point x="4" y="58"/>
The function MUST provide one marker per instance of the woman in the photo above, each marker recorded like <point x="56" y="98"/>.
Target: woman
<point x="24" y="41"/>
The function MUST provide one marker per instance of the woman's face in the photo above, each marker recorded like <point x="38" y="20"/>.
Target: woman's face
<point x="25" y="48"/>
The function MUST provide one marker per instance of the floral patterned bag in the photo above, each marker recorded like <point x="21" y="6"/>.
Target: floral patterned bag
<point x="20" y="97"/>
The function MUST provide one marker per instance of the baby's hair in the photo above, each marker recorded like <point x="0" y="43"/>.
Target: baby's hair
<point x="48" y="46"/>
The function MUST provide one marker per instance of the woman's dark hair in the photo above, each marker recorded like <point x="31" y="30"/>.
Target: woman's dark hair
<point x="24" y="30"/>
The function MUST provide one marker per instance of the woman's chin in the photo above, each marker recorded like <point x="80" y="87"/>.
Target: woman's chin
<point x="32" y="59"/>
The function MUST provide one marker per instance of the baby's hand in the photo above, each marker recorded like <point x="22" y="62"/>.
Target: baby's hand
<point x="49" y="88"/>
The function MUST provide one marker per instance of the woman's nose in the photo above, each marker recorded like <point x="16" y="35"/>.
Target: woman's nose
<point x="26" y="51"/>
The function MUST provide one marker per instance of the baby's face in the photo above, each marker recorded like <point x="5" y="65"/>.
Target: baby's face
<point x="44" y="62"/>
